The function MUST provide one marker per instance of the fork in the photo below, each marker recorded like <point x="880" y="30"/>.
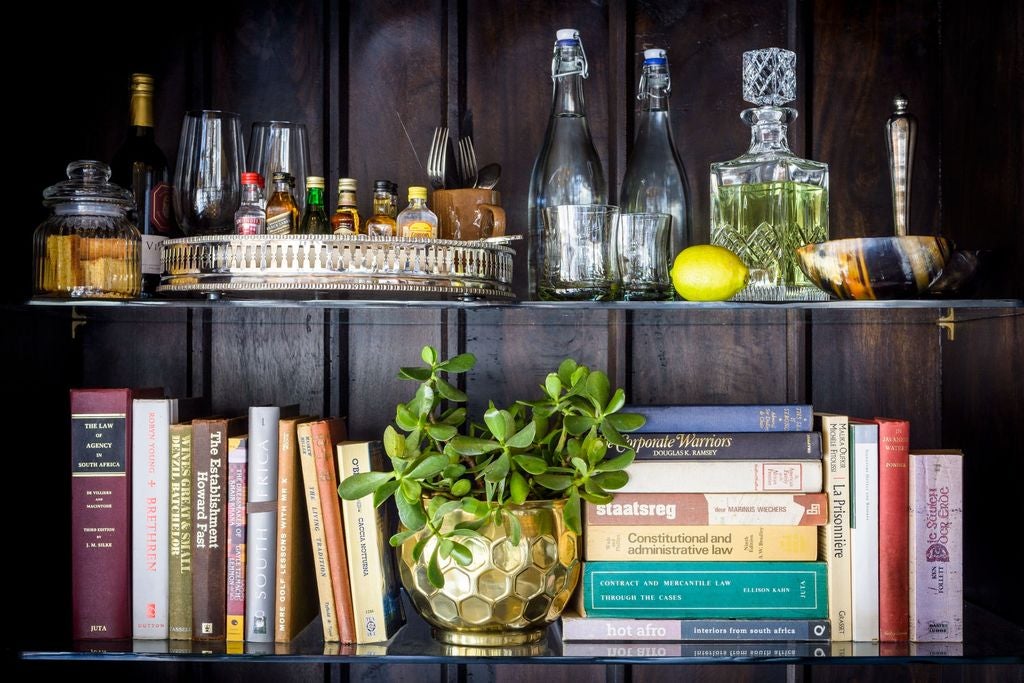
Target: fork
<point x="467" y="162"/>
<point x="438" y="157"/>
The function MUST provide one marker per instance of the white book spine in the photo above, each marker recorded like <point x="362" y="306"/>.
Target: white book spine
<point x="864" y="531"/>
<point x="151" y="491"/>
<point x="721" y="476"/>
<point x="261" y="525"/>
<point x="936" y="547"/>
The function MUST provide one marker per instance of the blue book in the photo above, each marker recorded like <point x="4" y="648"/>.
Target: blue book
<point x="705" y="590"/>
<point x="763" y="417"/>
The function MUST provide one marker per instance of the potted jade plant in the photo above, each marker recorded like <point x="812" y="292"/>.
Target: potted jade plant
<point x="490" y="511"/>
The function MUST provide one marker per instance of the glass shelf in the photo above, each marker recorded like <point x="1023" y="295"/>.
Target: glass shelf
<point x="531" y="305"/>
<point x="989" y="639"/>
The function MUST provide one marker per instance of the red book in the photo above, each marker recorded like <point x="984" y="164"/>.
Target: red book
<point x="101" y="550"/>
<point x="326" y="434"/>
<point x="894" y="532"/>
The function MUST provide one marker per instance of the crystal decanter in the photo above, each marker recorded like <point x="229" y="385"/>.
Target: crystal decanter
<point x="768" y="202"/>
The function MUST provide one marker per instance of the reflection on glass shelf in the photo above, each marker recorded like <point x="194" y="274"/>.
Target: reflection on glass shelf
<point x="989" y="639"/>
<point x="528" y="305"/>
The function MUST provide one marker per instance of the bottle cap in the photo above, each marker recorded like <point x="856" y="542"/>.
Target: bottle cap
<point x="655" y="56"/>
<point x="417" y="192"/>
<point x="280" y="176"/>
<point x="142" y="83"/>
<point x="769" y="77"/>
<point x="382" y="186"/>
<point x="348" y="184"/>
<point x="249" y="178"/>
<point x="567" y="34"/>
<point x="315" y="181"/>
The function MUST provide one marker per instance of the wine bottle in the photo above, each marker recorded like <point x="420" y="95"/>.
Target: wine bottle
<point x="140" y="166"/>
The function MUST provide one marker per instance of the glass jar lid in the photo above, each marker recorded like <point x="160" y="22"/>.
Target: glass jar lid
<point x="88" y="181"/>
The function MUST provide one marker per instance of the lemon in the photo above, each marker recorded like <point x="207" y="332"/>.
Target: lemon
<point x="705" y="272"/>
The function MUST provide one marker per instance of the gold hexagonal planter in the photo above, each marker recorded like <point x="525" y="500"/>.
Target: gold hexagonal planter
<point x="508" y="594"/>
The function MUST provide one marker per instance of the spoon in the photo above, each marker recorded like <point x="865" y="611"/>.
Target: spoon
<point x="488" y="176"/>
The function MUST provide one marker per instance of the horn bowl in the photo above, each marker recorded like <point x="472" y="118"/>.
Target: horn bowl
<point x="893" y="267"/>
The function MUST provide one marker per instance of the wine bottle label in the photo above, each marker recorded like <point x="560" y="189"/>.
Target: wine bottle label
<point x="160" y="208"/>
<point x="280" y="224"/>
<point x="249" y="225"/>
<point x="151" y="263"/>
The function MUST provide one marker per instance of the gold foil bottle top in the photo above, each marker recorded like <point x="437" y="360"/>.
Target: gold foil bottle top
<point x="142" y="83"/>
<point x="347" y="184"/>
<point x="142" y="101"/>
<point x="315" y="181"/>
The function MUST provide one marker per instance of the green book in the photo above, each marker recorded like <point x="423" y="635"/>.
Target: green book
<point x="684" y="590"/>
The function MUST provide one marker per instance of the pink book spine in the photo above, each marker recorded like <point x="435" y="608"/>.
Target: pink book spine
<point x="237" y="491"/>
<point x="936" y="546"/>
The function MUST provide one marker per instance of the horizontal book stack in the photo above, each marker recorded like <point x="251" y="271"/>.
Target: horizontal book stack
<point x="204" y="529"/>
<point x="714" y="538"/>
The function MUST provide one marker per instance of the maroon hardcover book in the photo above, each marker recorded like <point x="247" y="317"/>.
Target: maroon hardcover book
<point x="101" y="549"/>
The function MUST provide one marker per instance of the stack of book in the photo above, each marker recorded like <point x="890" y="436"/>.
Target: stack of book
<point x="217" y="530"/>
<point x="714" y="538"/>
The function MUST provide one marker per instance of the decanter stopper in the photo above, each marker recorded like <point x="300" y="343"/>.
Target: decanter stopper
<point x="769" y="77"/>
<point x="900" y="136"/>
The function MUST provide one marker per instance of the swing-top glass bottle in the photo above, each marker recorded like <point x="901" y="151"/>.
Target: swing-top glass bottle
<point x="568" y="169"/>
<point x="655" y="181"/>
<point x="768" y="202"/>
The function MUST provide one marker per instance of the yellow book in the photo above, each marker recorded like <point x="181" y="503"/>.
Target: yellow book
<point x="704" y="543"/>
<point x="376" y="601"/>
<point x="834" y="537"/>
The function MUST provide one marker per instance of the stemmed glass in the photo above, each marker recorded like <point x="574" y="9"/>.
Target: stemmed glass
<point x="207" y="187"/>
<point x="280" y="146"/>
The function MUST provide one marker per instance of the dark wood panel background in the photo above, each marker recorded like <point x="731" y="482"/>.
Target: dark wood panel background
<point x="349" y="69"/>
<point x="983" y="417"/>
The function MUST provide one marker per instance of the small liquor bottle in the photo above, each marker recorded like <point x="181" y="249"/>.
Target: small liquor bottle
<point x="282" y="211"/>
<point x="345" y="220"/>
<point x="251" y="219"/>
<point x="380" y="224"/>
<point x="417" y="220"/>
<point x="393" y="206"/>
<point x="768" y="202"/>
<point x="314" y="220"/>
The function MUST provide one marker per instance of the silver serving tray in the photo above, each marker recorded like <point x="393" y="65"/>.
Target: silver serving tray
<point x="336" y="265"/>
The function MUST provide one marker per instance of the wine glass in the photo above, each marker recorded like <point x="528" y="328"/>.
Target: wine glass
<point x="207" y="187"/>
<point x="280" y="146"/>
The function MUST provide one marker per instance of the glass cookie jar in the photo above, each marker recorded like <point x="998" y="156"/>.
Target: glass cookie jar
<point x="87" y="248"/>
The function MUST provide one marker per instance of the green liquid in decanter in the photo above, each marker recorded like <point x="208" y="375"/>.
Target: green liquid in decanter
<point x="764" y="223"/>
